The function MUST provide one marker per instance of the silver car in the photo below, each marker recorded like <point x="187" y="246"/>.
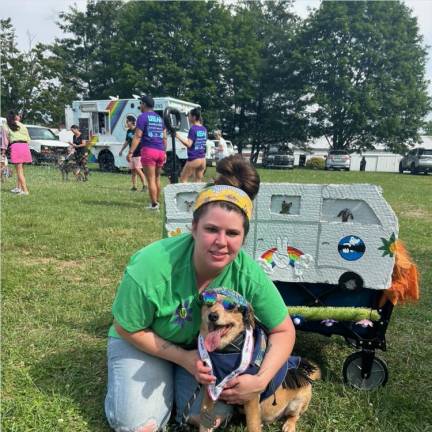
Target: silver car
<point x="338" y="159"/>
<point x="416" y="161"/>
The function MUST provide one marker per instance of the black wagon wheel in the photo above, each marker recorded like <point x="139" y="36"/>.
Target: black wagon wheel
<point x="353" y="375"/>
<point x="106" y="161"/>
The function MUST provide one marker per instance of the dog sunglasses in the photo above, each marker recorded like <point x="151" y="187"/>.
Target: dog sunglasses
<point x="209" y="298"/>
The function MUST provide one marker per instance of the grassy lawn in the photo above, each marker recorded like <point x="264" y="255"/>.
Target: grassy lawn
<point x="64" y="249"/>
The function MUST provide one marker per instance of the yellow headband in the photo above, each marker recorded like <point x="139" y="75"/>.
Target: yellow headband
<point x="226" y="193"/>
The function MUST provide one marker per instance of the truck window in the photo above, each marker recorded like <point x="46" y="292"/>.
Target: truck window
<point x="348" y="211"/>
<point x="285" y="204"/>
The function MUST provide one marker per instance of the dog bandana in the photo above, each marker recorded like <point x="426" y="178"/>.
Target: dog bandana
<point x="231" y="194"/>
<point x="246" y="357"/>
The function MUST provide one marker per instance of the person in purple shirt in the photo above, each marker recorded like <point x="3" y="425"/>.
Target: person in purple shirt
<point x="196" y="148"/>
<point x="150" y="132"/>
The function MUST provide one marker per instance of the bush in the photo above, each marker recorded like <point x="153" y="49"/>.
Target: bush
<point x="315" y="163"/>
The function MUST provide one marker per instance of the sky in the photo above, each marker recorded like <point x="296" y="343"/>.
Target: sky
<point x="35" y="20"/>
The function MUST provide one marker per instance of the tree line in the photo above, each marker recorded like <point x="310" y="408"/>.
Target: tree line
<point x="353" y="72"/>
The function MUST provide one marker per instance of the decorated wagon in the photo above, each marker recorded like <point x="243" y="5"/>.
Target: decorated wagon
<point x="333" y="252"/>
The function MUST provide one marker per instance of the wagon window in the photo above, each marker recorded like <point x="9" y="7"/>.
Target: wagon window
<point x="348" y="211"/>
<point x="285" y="204"/>
<point x="185" y="201"/>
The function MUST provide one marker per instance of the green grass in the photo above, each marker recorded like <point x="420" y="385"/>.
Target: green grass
<point x="64" y="249"/>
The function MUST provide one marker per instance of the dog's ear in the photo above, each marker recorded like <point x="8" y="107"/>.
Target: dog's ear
<point x="248" y="316"/>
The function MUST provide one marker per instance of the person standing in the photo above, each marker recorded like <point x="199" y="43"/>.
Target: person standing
<point x="81" y="153"/>
<point x="150" y="132"/>
<point x="222" y="148"/>
<point x="196" y="148"/>
<point x="18" y="138"/>
<point x="135" y="165"/>
<point x="363" y="164"/>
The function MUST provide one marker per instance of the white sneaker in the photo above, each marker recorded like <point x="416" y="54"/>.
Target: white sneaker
<point x="16" y="190"/>
<point x="152" y="207"/>
<point x="21" y="192"/>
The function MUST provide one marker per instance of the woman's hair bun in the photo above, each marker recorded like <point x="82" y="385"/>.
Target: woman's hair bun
<point x="238" y="172"/>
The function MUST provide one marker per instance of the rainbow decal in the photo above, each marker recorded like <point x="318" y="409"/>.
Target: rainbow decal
<point x="115" y="109"/>
<point x="293" y="254"/>
<point x="267" y="256"/>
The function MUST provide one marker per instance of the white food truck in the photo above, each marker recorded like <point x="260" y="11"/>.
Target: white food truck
<point x="103" y="123"/>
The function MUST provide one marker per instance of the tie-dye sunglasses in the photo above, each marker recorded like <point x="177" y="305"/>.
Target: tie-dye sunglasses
<point x="209" y="298"/>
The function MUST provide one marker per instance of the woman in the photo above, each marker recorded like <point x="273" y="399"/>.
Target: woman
<point x="196" y="148"/>
<point x="152" y="358"/>
<point x="81" y="153"/>
<point x="18" y="138"/>
<point x="135" y="164"/>
<point x="222" y="148"/>
<point x="150" y="133"/>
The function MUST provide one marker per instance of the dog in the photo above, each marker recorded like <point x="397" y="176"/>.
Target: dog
<point x="228" y="325"/>
<point x="68" y="165"/>
<point x="6" y="172"/>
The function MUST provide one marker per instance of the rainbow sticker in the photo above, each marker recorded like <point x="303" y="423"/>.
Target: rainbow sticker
<point x="115" y="109"/>
<point x="267" y="256"/>
<point x="293" y="254"/>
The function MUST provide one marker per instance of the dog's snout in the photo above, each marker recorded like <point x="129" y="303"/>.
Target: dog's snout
<point x="213" y="316"/>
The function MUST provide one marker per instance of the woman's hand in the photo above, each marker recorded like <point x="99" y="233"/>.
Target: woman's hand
<point x="129" y="157"/>
<point x="196" y="367"/>
<point x="241" y="389"/>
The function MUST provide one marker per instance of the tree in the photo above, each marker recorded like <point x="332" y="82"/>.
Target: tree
<point x="11" y="61"/>
<point x="365" y="70"/>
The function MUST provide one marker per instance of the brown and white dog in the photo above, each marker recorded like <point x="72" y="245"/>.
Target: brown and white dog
<point x="228" y="323"/>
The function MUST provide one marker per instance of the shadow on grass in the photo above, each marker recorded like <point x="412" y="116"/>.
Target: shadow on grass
<point x="78" y="375"/>
<point x="97" y="327"/>
<point x="111" y="204"/>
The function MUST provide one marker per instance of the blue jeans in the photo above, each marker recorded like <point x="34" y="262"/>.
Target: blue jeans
<point x="142" y="389"/>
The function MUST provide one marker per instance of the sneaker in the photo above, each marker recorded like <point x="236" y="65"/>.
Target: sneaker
<point x="144" y="189"/>
<point x="133" y="189"/>
<point x="21" y="192"/>
<point x="152" y="207"/>
<point x="16" y="190"/>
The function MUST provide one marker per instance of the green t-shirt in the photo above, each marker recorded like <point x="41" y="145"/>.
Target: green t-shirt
<point x="158" y="291"/>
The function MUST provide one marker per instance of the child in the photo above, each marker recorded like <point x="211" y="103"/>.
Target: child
<point x="135" y="164"/>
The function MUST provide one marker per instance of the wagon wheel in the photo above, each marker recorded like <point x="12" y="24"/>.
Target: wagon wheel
<point x="352" y="372"/>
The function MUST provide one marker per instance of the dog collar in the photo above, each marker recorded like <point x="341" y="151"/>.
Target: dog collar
<point x="214" y="390"/>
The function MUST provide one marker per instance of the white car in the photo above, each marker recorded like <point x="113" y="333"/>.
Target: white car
<point x="211" y="146"/>
<point x="45" y="145"/>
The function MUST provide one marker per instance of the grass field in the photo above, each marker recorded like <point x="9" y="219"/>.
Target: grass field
<point x="64" y="248"/>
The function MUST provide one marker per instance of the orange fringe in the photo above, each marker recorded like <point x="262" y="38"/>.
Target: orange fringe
<point x="405" y="278"/>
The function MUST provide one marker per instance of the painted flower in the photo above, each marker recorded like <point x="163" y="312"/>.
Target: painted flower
<point x="328" y="322"/>
<point x="182" y="314"/>
<point x="365" y="323"/>
<point x="175" y="232"/>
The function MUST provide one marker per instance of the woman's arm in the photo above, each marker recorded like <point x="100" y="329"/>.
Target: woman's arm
<point x="187" y="142"/>
<point x="279" y="347"/>
<point x="123" y="147"/>
<point x="151" y="343"/>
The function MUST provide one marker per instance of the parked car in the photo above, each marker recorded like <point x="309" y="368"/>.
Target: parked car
<point x="45" y="145"/>
<point x="416" y="161"/>
<point x="338" y="159"/>
<point x="278" y="156"/>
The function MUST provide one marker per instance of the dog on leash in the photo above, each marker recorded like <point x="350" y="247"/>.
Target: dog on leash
<point x="68" y="165"/>
<point x="232" y="343"/>
<point x="6" y="172"/>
